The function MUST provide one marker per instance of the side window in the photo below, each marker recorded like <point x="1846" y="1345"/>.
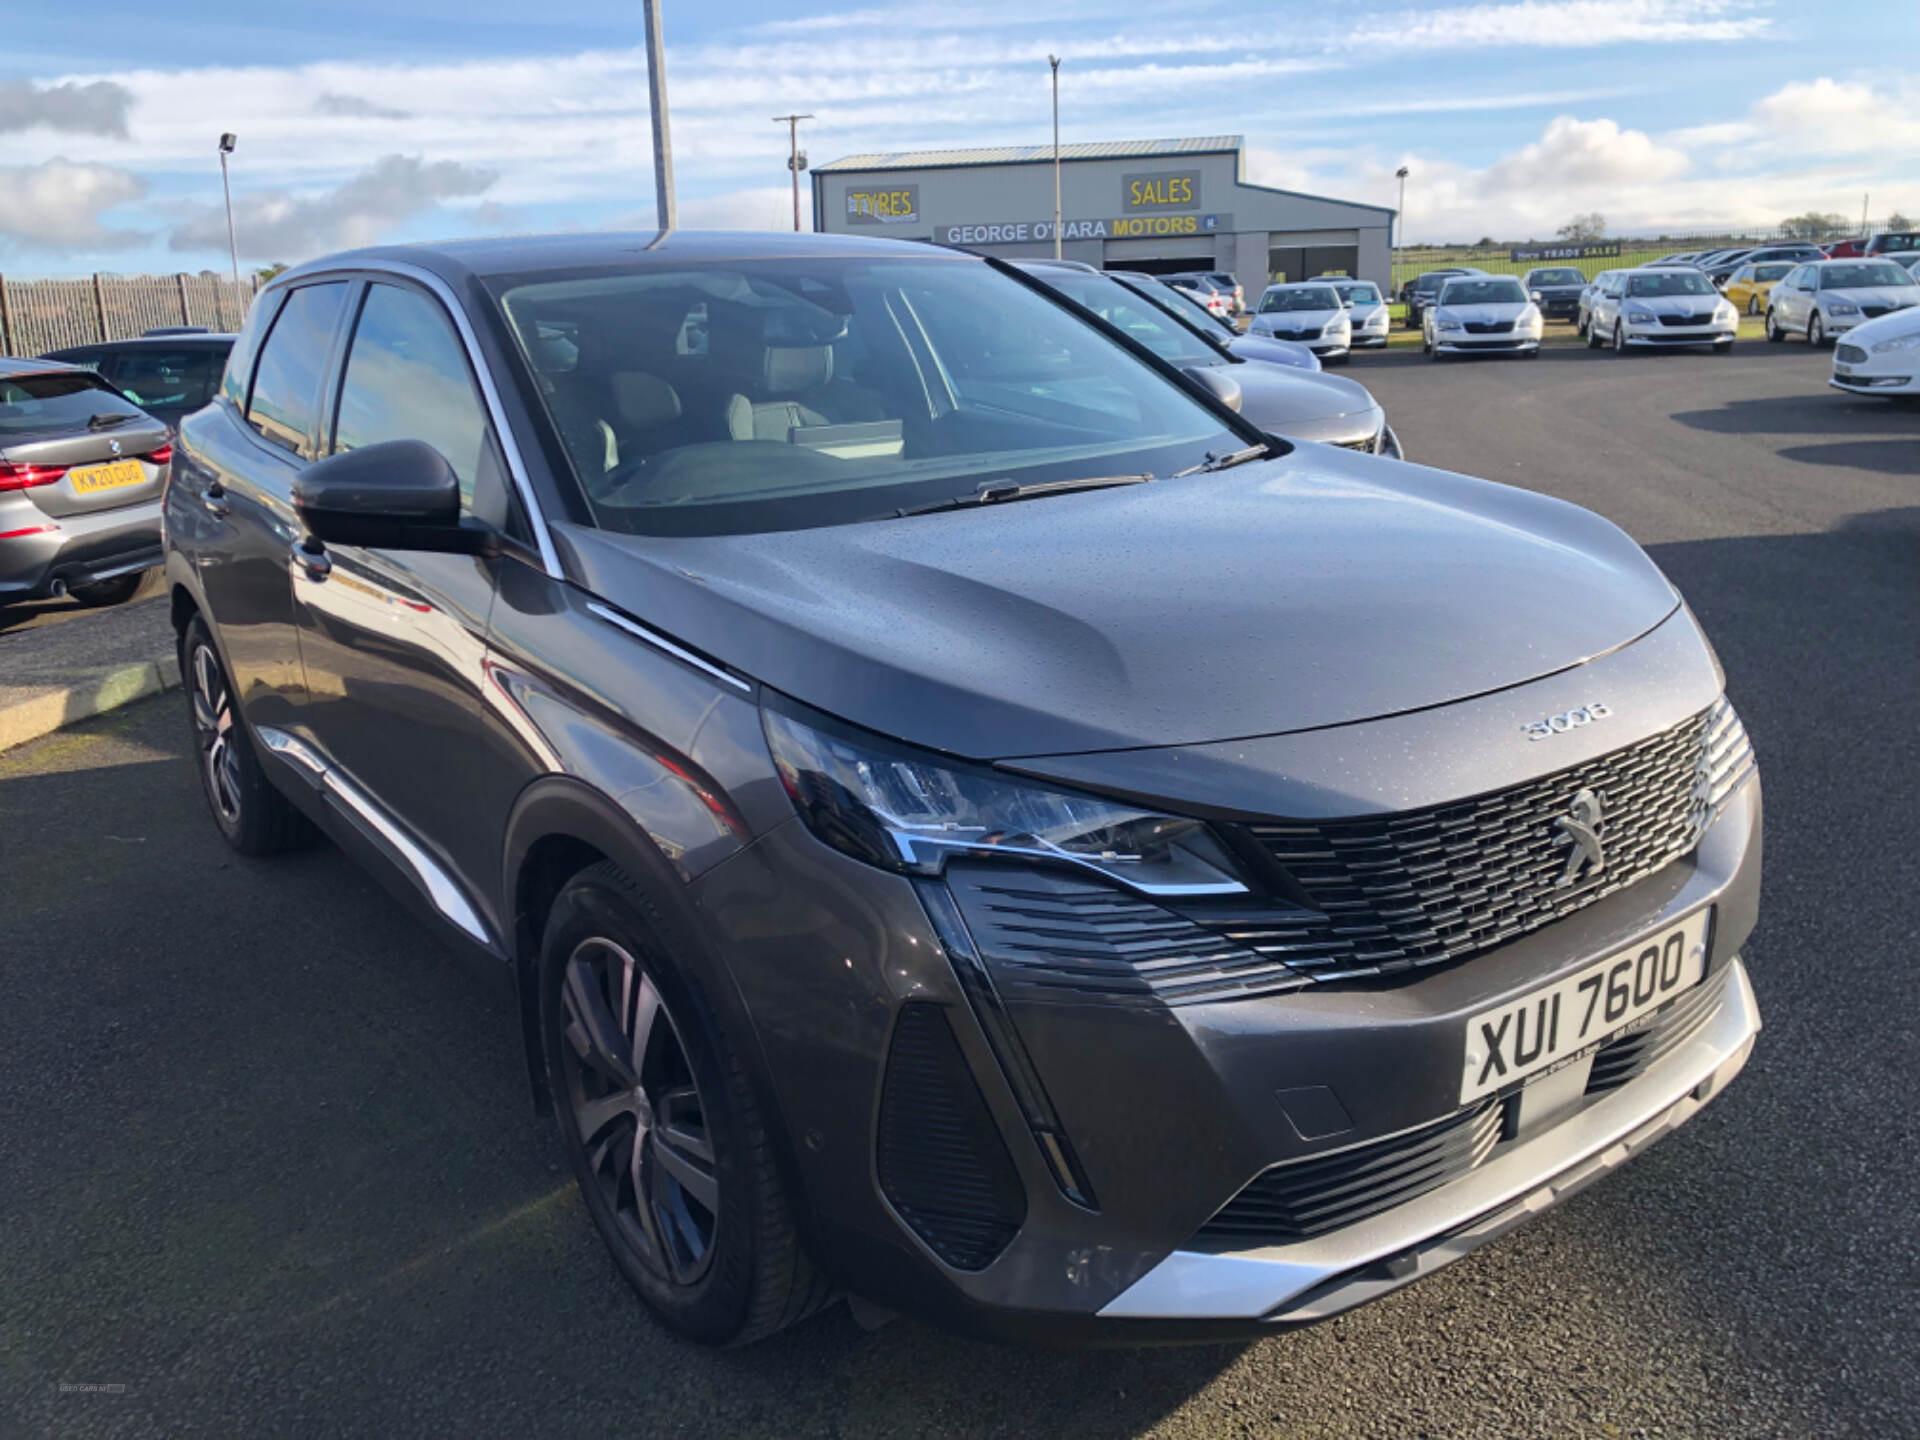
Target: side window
<point x="293" y="361"/>
<point x="179" y="379"/>
<point x="407" y="379"/>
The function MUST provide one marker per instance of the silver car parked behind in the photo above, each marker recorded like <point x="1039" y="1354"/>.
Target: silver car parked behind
<point x="1822" y="299"/>
<point x="1661" y="305"/>
<point x="81" y="468"/>
<point x="1310" y="312"/>
<point x="1482" y="315"/>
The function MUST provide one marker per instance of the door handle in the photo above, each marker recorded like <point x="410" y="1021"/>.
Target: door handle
<point x="214" y="497"/>
<point x="311" y="556"/>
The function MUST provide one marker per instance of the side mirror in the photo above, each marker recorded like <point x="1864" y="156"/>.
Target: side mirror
<point x="397" y="495"/>
<point x="1223" y="388"/>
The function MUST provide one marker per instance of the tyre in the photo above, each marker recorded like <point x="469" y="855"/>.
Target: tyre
<point x="254" y="818"/>
<point x="660" y="1124"/>
<point x="1774" y="333"/>
<point x="1816" y="331"/>
<point x="116" y="591"/>
<point x="1619" y="338"/>
<point x="1594" y="341"/>
<point x="1753" y="304"/>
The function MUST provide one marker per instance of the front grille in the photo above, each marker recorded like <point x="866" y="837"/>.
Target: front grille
<point x="1305" y="333"/>
<point x="1850" y="354"/>
<point x="1489" y="327"/>
<point x="1393" y="891"/>
<point x="1304" y="1198"/>
<point x="1874" y="312"/>
<point x="1627" y="1056"/>
<point x="1706" y="319"/>
<point x="940" y="1159"/>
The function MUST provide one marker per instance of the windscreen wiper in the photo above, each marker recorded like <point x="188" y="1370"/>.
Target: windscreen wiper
<point x="108" y="422"/>
<point x="1225" y="462"/>
<point x="998" y="492"/>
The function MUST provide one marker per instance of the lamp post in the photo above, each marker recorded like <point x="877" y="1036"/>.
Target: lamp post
<point x="227" y="141"/>
<point x="662" y="140"/>
<point x="796" y="162"/>
<point x="1054" y="61"/>
<point x="1400" y="227"/>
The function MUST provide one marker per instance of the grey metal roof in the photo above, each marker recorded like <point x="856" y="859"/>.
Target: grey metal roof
<point x="1030" y="154"/>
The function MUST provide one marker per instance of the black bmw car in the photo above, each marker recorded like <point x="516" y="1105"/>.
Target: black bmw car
<point x="970" y="822"/>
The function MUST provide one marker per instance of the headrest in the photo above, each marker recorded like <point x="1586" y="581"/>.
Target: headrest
<point x="644" y="400"/>
<point x="794" y="369"/>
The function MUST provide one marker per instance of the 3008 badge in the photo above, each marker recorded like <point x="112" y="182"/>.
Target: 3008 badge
<point x="1570" y="720"/>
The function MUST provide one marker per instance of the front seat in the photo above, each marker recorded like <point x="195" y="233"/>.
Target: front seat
<point x="779" y="387"/>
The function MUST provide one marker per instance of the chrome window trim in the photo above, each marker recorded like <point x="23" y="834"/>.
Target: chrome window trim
<point x="660" y="642"/>
<point x="516" y="466"/>
<point x="439" y="886"/>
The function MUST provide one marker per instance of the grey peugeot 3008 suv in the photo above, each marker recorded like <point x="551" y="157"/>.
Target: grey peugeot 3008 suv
<point x="971" y="822"/>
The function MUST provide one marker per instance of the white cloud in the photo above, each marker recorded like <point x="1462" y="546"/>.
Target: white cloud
<point x="58" y="204"/>
<point x="355" y="107"/>
<point x="99" y="108"/>
<point x="1841" y="118"/>
<point x="1564" y="24"/>
<point x="281" y="225"/>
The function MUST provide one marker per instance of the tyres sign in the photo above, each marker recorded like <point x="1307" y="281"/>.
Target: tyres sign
<point x="897" y="205"/>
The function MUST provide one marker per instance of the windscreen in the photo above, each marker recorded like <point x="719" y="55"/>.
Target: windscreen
<point x="1863" y="276"/>
<point x="1307" y="297"/>
<point x="1359" y="294"/>
<point x="727" y="398"/>
<point x="1891" y="243"/>
<point x="1498" y="290"/>
<point x="1126" y="311"/>
<point x="1653" y="284"/>
<point x="1772" y="272"/>
<point x="1566" y="276"/>
<point x="64" y="400"/>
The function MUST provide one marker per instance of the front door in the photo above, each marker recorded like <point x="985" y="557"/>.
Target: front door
<point x="395" y="641"/>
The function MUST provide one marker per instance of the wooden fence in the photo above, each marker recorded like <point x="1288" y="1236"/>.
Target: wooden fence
<point x="41" y="315"/>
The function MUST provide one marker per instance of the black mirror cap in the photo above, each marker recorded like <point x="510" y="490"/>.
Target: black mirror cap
<point x="397" y="495"/>
<point x="1221" y="386"/>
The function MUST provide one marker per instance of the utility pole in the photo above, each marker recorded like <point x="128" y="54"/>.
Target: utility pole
<point x="227" y="142"/>
<point x="662" y="140"/>
<point x="1863" y="212"/>
<point x="1399" y="227"/>
<point x="796" y="162"/>
<point x="1054" y="61"/>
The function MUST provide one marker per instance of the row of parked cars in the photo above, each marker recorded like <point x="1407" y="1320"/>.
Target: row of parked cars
<point x="86" y="435"/>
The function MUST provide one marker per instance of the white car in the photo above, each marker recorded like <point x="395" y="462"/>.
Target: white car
<point x="1661" y="306"/>
<point x="1310" y="312"/>
<point x="1366" y="310"/>
<point x="1481" y="315"/>
<point x="1588" y="296"/>
<point x="1828" y="297"/>
<point x="1880" y="357"/>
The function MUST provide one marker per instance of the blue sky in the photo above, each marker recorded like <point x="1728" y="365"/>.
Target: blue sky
<point x="408" y="120"/>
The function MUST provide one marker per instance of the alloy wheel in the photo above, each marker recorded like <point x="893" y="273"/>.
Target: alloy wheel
<point x="638" y="1111"/>
<point x="1816" y="332"/>
<point x="1619" y="338"/>
<point x="213" y="725"/>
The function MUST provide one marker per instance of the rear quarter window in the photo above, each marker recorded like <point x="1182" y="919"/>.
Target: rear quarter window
<point x="293" y="361"/>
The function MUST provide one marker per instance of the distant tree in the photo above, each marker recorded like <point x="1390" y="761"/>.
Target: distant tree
<point x="264" y="273"/>
<point x="1590" y="226"/>
<point x="1485" y="242"/>
<point x="1813" y="226"/>
<point x="1897" y="221"/>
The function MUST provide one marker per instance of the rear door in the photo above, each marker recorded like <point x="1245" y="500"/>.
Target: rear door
<point x="395" y="641"/>
<point x="240" y="499"/>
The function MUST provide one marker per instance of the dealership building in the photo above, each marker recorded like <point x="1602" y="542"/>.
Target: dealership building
<point x="1154" y="205"/>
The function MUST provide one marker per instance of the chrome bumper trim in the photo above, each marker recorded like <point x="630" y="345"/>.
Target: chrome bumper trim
<point x="1331" y="1273"/>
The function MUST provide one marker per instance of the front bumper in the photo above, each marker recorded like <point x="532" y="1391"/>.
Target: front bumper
<point x="1662" y="335"/>
<point x="1487" y="344"/>
<point x="1869" y="379"/>
<point x="72" y="550"/>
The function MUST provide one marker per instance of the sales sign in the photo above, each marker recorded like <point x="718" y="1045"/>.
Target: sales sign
<point x="1160" y="190"/>
<point x="1592" y="251"/>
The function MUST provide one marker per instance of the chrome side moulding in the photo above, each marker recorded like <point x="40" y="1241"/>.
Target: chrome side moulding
<point x="660" y="642"/>
<point x="439" y="886"/>
<point x="1331" y="1273"/>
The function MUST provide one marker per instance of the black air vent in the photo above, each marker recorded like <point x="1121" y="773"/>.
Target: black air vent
<point x="941" y="1160"/>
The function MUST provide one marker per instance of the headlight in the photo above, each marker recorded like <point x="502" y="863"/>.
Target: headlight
<point x="909" y="810"/>
<point x="1534" y="295"/>
<point x="1443" y="321"/>
<point x="1842" y="307"/>
<point x="1905" y="342"/>
<point x="1724" y="311"/>
<point x="1529" y="319"/>
<point x="1640" y="317"/>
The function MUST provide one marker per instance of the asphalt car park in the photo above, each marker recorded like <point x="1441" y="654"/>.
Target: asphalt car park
<point x="271" y="1167"/>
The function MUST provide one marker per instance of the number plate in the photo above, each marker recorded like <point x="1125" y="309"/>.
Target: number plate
<point x="90" y="479"/>
<point x="1526" y="1036"/>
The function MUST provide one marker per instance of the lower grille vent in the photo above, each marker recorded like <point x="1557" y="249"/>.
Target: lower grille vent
<point x="1304" y="1198"/>
<point x="941" y="1161"/>
<point x="1630" y="1056"/>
